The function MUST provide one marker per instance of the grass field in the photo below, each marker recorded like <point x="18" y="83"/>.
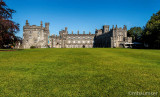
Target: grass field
<point x="79" y="72"/>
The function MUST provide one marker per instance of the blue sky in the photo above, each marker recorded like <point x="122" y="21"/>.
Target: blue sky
<point x="83" y="15"/>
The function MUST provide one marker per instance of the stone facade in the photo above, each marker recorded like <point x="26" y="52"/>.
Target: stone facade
<point x="66" y="40"/>
<point x="36" y="36"/>
<point x="115" y="37"/>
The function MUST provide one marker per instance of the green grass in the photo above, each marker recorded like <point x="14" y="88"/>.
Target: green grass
<point x="79" y="72"/>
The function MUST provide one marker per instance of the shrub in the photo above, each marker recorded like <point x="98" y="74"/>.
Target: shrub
<point x="32" y="47"/>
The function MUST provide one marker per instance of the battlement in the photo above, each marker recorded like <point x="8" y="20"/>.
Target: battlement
<point x="28" y="26"/>
<point x="81" y="33"/>
<point x="116" y="28"/>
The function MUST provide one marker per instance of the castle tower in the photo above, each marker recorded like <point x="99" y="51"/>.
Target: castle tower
<point x="105" y="28"/>
<point x="35" y="35"/>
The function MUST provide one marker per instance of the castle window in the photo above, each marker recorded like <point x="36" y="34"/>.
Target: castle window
<point x="35" y="41"/>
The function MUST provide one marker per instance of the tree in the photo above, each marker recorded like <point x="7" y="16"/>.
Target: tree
<point x="151" y="33"/>
<point x="8" y="28"/>
<point x="135" y="33"/>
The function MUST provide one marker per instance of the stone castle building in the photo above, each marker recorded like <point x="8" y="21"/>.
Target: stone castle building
<point x="66" y="40"/>
<point x="116" y="37"/>
<point x="39" y="36"/>
<point x="35" y="35"/>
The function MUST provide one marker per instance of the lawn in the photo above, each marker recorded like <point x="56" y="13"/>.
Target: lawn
<point x="79" y="72"/>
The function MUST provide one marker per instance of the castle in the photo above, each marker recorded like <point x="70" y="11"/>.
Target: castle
<point x="39" y="36"/>
<point x="115" y="37"/>
<point x="35" y="35"/>
<point x="66" y="40"/>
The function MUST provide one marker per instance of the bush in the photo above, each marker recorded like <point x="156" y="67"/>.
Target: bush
<point x="32" y="47"/>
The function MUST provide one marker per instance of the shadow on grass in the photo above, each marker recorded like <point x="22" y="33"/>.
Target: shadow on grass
<point x="3" y="50"/>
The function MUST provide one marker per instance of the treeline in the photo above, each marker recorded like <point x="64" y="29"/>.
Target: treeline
<point x="149" y="35"/>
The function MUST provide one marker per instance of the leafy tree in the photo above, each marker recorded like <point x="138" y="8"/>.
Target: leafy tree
<point x="135" y="33"/>
<point x="151" y="33"/>
<point x="8" y="28"/>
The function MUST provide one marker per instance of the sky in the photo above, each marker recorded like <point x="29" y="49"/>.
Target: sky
<point x="82" y="15"/>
